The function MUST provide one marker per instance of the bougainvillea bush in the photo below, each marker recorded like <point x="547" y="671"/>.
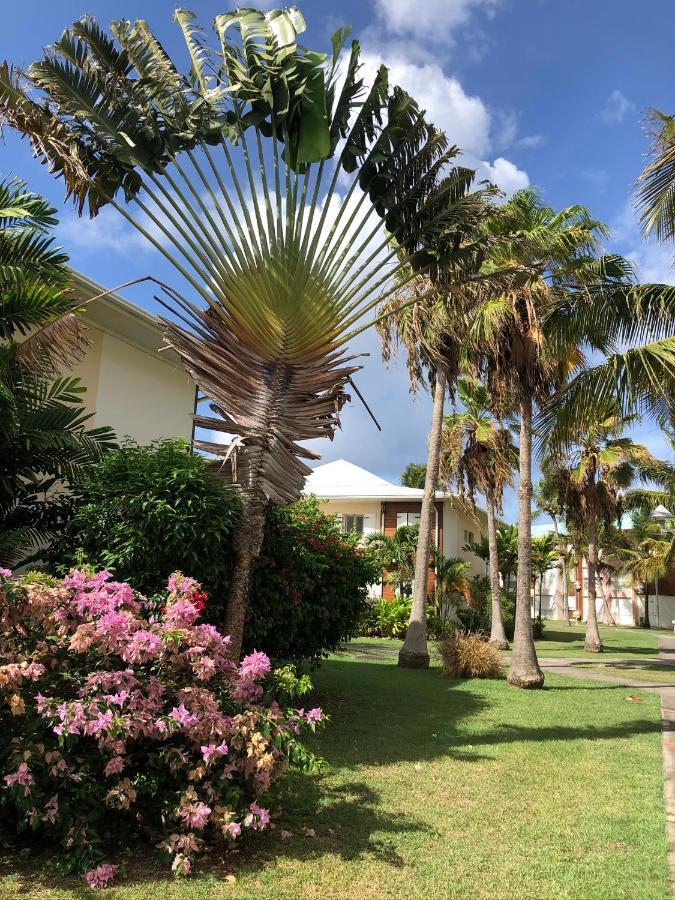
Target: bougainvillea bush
<point x="123" y="719"/>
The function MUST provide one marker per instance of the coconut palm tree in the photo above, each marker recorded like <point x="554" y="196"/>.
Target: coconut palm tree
<point x="44" y="438"/>
<point x="414" y="475"/>
<point x="234" y="172"/>
<point x="601" y="463"/>
<point x="524" y="342"/>
<point x="478" y="455"/>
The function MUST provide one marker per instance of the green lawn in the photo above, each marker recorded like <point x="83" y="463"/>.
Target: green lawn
<point x="441" y="788"/>
<point x="561" y="641"/>
<point x="659" y="673"/>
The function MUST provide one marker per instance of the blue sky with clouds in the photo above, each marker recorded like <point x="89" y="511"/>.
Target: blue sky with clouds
<point x="535" y="91"/>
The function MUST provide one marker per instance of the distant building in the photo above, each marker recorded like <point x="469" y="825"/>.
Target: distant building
<point x="365" y="503"/>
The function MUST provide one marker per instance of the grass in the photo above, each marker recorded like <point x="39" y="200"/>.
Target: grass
<point x="561" y="641"/>
<point x="659" y="673"/>
<point x="440" y="788"/>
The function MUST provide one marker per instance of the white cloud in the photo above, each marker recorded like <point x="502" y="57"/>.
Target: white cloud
<point x="436" y="20"/>
<point x="106" y="231"/>
<point x="505" y="175"/>
<point x="530" y="141"/>
<point x="616" y="108"/>
<point x="655" y="262"/>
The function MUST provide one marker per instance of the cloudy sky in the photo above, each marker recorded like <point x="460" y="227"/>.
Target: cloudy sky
<point x="536" y="92"/>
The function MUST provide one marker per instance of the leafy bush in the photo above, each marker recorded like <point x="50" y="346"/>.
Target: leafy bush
<point x="122" y="717"/>
<point x="476" y="618"/>
<point x="310" y="584"/>
<point x="469" y="656"/>
<point x="387" y="618"/>
<point x="146" y="511"/>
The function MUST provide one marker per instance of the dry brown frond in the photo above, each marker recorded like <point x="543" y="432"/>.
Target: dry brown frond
<point x="469" y="656"/>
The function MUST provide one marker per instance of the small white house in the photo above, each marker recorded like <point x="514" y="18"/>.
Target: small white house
<point x="366" y="503"/>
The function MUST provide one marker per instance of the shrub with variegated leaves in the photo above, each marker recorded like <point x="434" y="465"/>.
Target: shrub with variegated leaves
<point x="123" y="719"/>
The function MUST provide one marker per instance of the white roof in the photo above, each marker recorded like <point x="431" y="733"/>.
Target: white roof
<point x="343" y="480"/>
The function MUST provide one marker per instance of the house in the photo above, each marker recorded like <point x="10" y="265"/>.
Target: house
<point x="365" y="503"/>
<point x="131" y="386"/>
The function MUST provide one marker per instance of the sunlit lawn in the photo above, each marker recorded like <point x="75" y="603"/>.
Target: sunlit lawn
<point x="440" y="788"/>
<point x="562" y="641"/>
<point x="658" y="673"/>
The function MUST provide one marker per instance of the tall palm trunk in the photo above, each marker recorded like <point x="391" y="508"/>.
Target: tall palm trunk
<point x="524" y="671"/>
<point x="414" y="653"/>
<point x="592" y="644"/>
<point x="566" y="599"/>
<point x="247" y="542"/>
<point x="497" y="633"/>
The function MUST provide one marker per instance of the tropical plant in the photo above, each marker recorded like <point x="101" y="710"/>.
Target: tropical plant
<point x="507" y="553"/>
<point x="414" y="475"/>
<point x="452" y="581"/>
<point x="234" y="172"/>
<point x="646" y="552"/>
<point x="527" y="340"/>
<point x="601" y="463"/>
<point x="125" y="720"/>
<point x="478" y="455"/>
<point x="394" y="556"/>
<point x="44" y="438"/>
<point x="545" y="554"/>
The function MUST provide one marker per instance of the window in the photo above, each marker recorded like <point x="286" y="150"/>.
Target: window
<point x="352" y="524"/>
<point x="468" y="537"/>
<point x="407" y="518"/>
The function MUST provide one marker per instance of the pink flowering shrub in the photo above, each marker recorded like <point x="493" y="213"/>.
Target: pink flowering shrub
<point x="121" y="718"/>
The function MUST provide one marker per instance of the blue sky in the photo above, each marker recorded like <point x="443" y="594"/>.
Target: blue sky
<point x="536" y="92"/>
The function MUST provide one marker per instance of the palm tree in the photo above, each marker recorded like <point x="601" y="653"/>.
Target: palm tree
<point x="420" y="318"/>
<point x="414" y="475"/>
<point x="601" y="462"/>
<point x="234" y="173"/>
<point x="524" y="342"/>
<point x="545" y="554"/>
<point x="549" y="494"/>
<point x="452" y="578"/>
<point x="646" y="552"/>
<point x="394" y="556"/>
<point x="507" y="553"/>
<point x="44" y="441"/>
<point x="479" y="455"/>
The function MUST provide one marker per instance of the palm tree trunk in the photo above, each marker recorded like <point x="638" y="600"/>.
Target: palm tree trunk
<point x="524" y="671"/>
<point x="560" y="602"/>
<point x="414" y="653"/>
<point x="497" y="633"/>
<point x="647" y="622"/>
<point x="592" y="644"/>
<point x="247" y="542"/>
<point x="566" y="599"/>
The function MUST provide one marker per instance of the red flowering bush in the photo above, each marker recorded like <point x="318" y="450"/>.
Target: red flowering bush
<point x="121" y="718"/>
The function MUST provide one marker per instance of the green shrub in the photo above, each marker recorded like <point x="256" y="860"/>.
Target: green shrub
<point x="144" y="512"/>
<point x="387" y="618"/>
<point x="469" y="656"/>
<point x="309" y="588"/>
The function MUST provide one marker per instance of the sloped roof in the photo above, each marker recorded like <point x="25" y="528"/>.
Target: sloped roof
<point x="343" y="480"/>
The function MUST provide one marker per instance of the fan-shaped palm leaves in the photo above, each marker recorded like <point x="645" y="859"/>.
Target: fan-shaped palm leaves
<point x="43" y="436"/>
<point x="235" y="173"/>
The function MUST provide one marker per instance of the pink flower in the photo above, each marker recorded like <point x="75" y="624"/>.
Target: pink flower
<point x="5" y="573"/>
<point x="255" y="665"/>
<point x="196" y="815"/>
<point x="182" y="716"/>
<point x="114" y="766"/>
<point x="314" y="715"/>
<point x="181" y="864"/>
<point x="101" y="875"/>
<point x="22" y="776"/>
<point x="258" y="818"/>
<point x="232" y="830"/>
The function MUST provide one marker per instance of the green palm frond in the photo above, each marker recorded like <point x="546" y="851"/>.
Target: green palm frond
<point x="656" y="186"/>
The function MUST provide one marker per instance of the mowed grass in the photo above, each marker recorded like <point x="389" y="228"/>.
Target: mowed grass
<point x="561" y="641"/>
<point x="658" y="673"/>
<point x="440" y="788"/>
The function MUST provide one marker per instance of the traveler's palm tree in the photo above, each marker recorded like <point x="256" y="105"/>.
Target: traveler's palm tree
<point x="525" y="343"/>
<point x="43" y="438"/>
<point x="234" y="172"/>
<point x="478" y="455"/>
<point x="602" y="462"/>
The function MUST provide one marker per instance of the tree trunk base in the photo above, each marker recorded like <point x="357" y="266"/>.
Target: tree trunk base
<point x="499" y="644"/>
<point x="528" y="680"/>
<point x="593" y="647"/>
<point x="411" y="659"/>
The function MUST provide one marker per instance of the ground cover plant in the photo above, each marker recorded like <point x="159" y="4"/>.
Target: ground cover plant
<point x="124" y="721"/>
<point x="437" y="787"/>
